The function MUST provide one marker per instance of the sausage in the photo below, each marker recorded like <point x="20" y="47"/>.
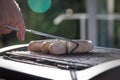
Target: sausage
<point x="84" y="46"/>
<point x="60" y="46"/>
<point x="35" y="46"/>
<point x="44" y="46"/>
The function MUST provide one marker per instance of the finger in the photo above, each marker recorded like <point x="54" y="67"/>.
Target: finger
<point x="21" y="33"/>
<point x="5" y="31"/>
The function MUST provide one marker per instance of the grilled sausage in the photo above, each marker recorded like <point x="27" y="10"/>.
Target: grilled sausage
<point x="60" y="46"/>
<point x="84" y="46"/>
<point x="45" y="46"/>
<point x="35" y="46"/>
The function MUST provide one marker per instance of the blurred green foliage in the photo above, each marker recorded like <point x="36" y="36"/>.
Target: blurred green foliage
<point x="44" y="21"/>
<point x="68" y="28"/>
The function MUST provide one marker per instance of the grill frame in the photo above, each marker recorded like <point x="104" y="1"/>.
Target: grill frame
<point x="96" y="50"/>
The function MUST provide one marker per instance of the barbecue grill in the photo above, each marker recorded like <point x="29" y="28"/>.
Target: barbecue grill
<point x="17" y="63"/>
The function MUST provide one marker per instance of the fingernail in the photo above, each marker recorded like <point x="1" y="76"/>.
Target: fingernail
<point x="23" y="37"/>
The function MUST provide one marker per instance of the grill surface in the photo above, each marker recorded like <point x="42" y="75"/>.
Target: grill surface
<point x="71" y="64"/>
<point x="97" y="56"/>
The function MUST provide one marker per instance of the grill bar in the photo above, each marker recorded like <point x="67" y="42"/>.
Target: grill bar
<point x="45" y="61"/>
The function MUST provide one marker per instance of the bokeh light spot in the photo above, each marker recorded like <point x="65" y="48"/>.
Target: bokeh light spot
<point x="39" y="6"/>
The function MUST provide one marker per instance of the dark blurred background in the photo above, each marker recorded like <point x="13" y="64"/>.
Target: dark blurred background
<point x="68" y="28"/>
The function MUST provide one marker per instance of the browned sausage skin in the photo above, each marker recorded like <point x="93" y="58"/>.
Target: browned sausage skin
<point x="34" y="46"/>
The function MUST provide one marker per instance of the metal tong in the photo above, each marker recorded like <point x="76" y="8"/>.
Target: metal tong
<point x="44" y="34"/>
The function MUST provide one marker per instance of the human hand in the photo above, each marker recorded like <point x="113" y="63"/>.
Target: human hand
<point x="11" y="15"/>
